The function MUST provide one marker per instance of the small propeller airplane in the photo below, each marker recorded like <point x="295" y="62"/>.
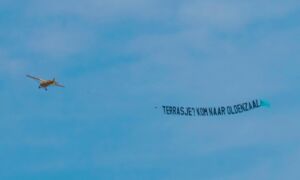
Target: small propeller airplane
<point x="45" y="83"/>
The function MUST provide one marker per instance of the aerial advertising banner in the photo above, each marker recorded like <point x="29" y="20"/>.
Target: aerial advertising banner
<point x="214" y="111"/>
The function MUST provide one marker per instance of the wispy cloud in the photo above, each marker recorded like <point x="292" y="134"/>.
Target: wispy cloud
<point x="222" y="15"/>
<point x="100" y="11"/>
<point x="119" y="59"/>
<point x="57" y="42"/>
<point x="11" y="67"/>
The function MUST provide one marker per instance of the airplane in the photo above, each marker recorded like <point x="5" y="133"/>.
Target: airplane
<point x="45" y="83"/>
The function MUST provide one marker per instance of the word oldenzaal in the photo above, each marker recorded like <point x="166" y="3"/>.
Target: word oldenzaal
<point x="214" y="111"/>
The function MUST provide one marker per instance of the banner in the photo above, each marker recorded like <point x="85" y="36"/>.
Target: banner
<point x="214" y="111"/>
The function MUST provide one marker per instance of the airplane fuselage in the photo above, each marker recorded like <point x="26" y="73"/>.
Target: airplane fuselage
<point x="45" y="84"/>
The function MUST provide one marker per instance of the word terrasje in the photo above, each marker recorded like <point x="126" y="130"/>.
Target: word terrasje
<point x="214" y="111"/>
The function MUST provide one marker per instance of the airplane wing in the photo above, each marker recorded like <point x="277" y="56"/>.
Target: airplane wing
<point x="35" y="78"/>
<point x="59" y="85"/>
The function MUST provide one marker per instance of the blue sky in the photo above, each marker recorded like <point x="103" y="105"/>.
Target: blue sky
<point x="120" y="59"/>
